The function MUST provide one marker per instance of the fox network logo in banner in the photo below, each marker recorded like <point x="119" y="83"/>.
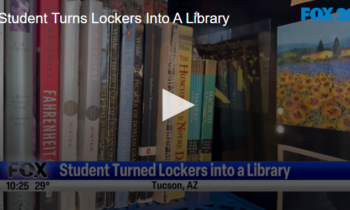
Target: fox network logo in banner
<point x="324" y="14"/>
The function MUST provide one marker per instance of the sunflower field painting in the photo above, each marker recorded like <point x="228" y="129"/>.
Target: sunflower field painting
<point x="313" y="74"/>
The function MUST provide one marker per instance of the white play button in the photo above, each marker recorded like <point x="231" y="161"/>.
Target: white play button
<point x="173" y="105"/>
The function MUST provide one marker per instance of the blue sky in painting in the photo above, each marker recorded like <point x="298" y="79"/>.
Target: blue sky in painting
<point x="310" y="32"/>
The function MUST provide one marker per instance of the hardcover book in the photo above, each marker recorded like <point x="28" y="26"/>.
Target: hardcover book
<point x="167" y="74"/>
<point x="208" y="110"/>
<point x="126" y="90"/>
<point x="2" y="75"/>
<point x="113" y="95"/>
<point x="89" y="95"/>
<point x="147" y="150"/>
<point x="136" y="107"/>
<point x="19" y="96"/>
<point x="195" y="113"/>
<point x="103" y="130"/>
<point x="69" y="94"/>
<point x="49" y="92"/>
<point x="182" y="89"/>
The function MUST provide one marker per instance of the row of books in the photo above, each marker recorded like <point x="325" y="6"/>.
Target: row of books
<point x="92" y="92"/>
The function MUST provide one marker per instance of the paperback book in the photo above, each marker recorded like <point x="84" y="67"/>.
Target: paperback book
<point x="168" y="61"/>
<point x="125" y="103"/>
<point x="48" y="41"/>
<point x="19" y="48"/>
<point x="137" y="101"/>
<point x="69" y="94"/>
<point x="103" y="129"/>
<point x="113" y="95"/>
<point x="147" y="150"/>
<point x="89" y="92"/>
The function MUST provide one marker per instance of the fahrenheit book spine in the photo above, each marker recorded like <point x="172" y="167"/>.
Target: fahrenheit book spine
<point x="125" y="103"/>
<point x="136" y="108"/>
<point x="19" y="98"/>
<point x="147" y="150"/>
<point x="2" y="9"/>
<point x="113" y="93"/>
<point x="195" y="117"/>
<point x="103" y="130"/>
<point x="48" y="95"/>
<point x="89" y="95"/>
<point x="183" y="78"/>
<point x="69" y="94"/>
<point x="208" y="110"/>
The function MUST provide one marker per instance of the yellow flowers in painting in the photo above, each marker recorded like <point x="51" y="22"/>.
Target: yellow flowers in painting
<point x="318" y="100"/>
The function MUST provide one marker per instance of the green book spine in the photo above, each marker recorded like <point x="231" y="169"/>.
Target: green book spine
<point x="195" y="117"/>
<point x="208" y="110"/>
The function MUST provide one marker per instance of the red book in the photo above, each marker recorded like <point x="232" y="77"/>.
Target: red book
<point x="48" y="45"/>
<point x="48" y="42"/>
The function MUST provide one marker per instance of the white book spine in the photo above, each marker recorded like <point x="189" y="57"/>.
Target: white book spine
<point x="2" y="47"/>
<point x="69" y="94"/>
<point x="89" y="87"/>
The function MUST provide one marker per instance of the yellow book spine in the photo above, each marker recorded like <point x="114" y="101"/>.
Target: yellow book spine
<point x="183" y="82"/>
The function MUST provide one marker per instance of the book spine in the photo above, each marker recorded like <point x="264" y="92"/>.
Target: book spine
<point x="147" y="150"/>
<point x="36" y="76"/>
<point x="183" y="76"/>
<point x="48" y="94"/>
<point x="69" y="94"/>
<point x="136" y="108"/>
<point x="103" y="126"/>
<point x="36" y="98"/>
<point x="113" y="92"/>
<point x="125" y="102"/>
<point x="195" y="117"/>
<point x="169" y="40"/>
<point x="191" y="147"/>
<point x="208" y="110"/>
<point x="2" y="9"/>
<point x="89" y="95"/>
<point x="224" y="110"/>
<point x="19" y="98"/>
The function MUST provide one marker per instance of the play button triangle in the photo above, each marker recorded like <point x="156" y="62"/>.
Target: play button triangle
<point x="173" y="105"/>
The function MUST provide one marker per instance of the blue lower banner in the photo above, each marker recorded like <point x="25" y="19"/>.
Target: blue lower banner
<point x="175" y="176"/>
<point x="174" y="170"/>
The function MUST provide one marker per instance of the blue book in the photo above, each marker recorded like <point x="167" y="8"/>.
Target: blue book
<point x="126" y="90"/>
<point x="195" y="113"/>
